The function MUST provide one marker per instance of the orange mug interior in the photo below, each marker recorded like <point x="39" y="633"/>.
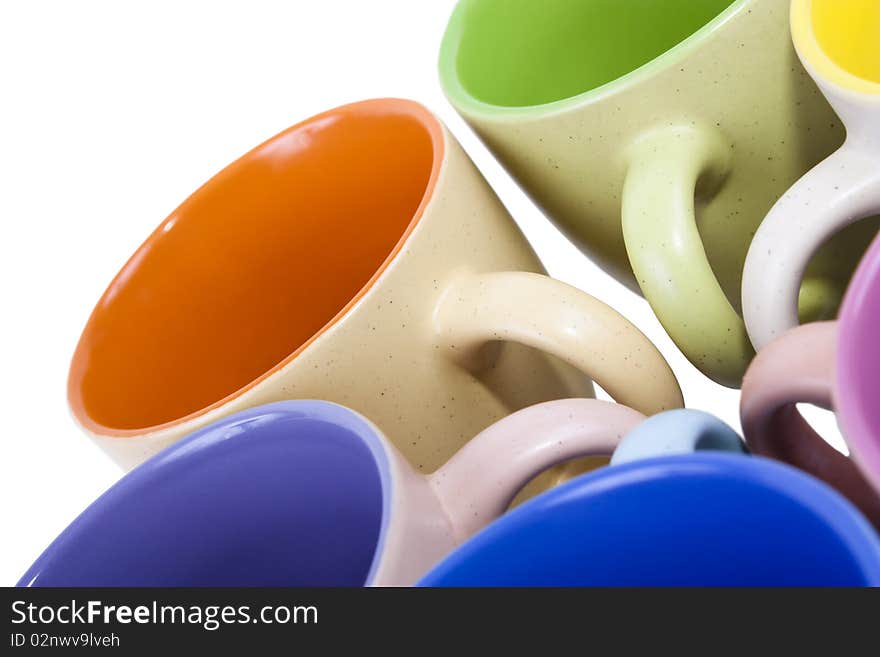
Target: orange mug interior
<point x="254" y="265"/>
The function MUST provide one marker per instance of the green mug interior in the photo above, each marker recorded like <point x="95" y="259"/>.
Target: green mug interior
<point x="517" y="53"/>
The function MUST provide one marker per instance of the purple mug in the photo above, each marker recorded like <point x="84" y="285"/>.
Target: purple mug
<point x="310" y="493"/>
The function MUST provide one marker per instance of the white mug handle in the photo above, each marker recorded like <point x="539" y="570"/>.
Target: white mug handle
<point x="548" y="315"/>
<point x="839" y="191"/>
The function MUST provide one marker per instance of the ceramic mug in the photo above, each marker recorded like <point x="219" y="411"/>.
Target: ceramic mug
<point x="835" y="365"/>
<point x="681" y="431"/>
<point x="309" y="493"/>
<point x="657" y="137"/>
<point x="357" y="257"/>
<point x="705" y="519"/>
<point x="838" y="42"/>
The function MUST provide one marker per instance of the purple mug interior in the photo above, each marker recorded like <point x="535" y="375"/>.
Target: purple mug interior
<point x="288" y="494"/>
<point x="857" y="393"/>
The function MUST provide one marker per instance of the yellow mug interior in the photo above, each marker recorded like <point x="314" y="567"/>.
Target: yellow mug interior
<point x="841" y="40"/>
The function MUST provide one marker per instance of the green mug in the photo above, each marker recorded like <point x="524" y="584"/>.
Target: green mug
<point x="657" y="135"/>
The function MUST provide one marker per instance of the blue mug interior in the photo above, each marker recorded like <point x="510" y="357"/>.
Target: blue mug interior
<point x="694" y="520"/>
<point x="288" y="494"/>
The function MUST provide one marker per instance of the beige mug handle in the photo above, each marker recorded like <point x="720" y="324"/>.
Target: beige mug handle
<point x="546" y="314"/>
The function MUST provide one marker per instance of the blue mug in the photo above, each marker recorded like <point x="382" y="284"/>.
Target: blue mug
<point x="310" y="493"/>
<point x="703" y="519"/>
<point x="679" y="431"/>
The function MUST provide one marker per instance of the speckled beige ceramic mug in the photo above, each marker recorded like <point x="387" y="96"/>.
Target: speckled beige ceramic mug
<point x="358" y="257"/>
<point x="657" y="135"/>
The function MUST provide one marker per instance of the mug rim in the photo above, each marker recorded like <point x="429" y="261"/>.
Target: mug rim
<point x="398" y="106"/>
<point x="452" y="86"/>
<point x="836" y="513"/>
<point x="817" y="60"/>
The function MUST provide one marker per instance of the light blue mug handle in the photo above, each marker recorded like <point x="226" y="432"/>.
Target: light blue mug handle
<point x="680" y="431"/>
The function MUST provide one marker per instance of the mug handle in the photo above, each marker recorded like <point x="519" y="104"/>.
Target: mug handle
<point x="799" y="368"/>
<point x="478" y="483"/>
<point x="681" y="431"/>
<point x="668" y="169"/>
<point x="840" y="190"/>
<point x="540" y="312"/>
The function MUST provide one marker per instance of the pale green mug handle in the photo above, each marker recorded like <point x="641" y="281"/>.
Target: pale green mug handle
<point x="666" y="251"/>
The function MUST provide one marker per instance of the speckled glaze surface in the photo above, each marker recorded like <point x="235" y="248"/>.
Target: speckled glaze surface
<point x="615" y="168"/>
<point x="843" y="188"/>
<point x="455" y="331"/>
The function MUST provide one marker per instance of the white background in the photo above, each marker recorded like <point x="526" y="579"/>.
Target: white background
<point x="111" y="114"/>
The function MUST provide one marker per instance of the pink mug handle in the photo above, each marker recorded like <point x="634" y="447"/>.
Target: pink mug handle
<point x="479" y="482"/>
<point x="799" y="368"/>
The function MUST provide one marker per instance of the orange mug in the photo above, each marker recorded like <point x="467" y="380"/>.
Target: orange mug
<point x="360" y="258"/>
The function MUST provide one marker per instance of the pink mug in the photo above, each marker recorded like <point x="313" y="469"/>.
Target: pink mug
<point x="835" y="365"/>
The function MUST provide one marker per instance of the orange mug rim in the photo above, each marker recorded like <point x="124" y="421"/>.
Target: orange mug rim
<point x="396" y="106"/>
